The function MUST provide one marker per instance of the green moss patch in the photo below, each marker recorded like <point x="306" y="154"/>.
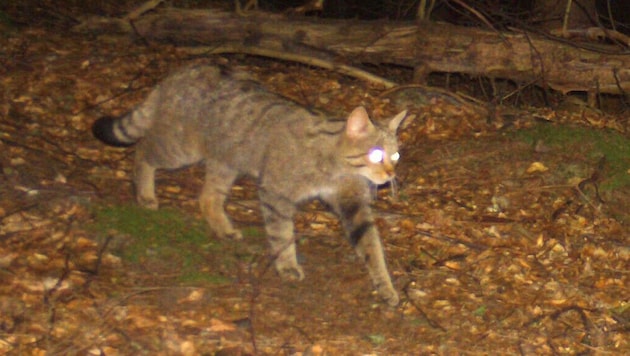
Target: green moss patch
<point x="589" y="144"/>
<point x="164" y="242"/>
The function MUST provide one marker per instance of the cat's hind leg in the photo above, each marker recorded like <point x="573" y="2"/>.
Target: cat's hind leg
<point x="278" y="214"/>
<point x="144" y="181"/>
<point x="216" y="187"/>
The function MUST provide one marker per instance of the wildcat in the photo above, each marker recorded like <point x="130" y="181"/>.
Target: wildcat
<point x="233" y="125"/>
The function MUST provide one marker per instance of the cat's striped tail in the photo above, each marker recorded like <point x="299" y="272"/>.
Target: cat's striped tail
<point x="116" y="131"/>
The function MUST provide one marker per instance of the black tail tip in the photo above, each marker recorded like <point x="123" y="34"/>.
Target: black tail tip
<point x="103" y="129"/>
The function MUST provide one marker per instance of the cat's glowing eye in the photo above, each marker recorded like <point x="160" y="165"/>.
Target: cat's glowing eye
<point x="395" y="157"/>
<point x="376" y="155"/>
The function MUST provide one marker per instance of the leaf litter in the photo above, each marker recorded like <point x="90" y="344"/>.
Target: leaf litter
<point x="498" y="243"/>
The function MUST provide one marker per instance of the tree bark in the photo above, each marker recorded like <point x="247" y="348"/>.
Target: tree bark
<point x="427" y="46"/>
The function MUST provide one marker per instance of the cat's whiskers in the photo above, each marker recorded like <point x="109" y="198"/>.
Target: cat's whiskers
<point x="393" y="188"/>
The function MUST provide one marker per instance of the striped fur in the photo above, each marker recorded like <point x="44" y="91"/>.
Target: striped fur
<point x="238" y="128"/>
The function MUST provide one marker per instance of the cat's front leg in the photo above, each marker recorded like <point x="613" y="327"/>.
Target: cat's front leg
<point x="352" y="205"/>
<point x="365" y="239"/>
<point x="278" y="214"/>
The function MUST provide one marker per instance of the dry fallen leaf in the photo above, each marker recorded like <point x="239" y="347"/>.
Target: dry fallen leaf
<point x="536" y="167"/>
<point x="217" y="325"/>
<point x="194" y="296"/>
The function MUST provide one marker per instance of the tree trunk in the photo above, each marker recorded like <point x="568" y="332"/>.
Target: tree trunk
<point x="428" y="46"/>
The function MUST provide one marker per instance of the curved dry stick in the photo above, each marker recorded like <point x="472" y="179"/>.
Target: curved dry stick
<point x="147" y="6"/>
<point x="294" y="57"/>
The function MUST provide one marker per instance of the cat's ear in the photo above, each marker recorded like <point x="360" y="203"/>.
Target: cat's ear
<point x="358" y="124"/>
<point x="395" y="122"/>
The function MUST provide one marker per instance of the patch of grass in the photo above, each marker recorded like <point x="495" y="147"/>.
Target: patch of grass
<point x="196" y="277"/>
<point x="165" y="240"/>
<point x="590" y="142"/>
<point x="253" y="232"/>
<point x="481" y="311"/>
<point x="376" y="339"/>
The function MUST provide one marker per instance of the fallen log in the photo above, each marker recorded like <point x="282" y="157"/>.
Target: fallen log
<point x="427" y="46"/>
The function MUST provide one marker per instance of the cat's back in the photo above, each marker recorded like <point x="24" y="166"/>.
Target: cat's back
<point x="224" y="101"/>
<point x="193" y="90"/>
<point x="226" y="114"/>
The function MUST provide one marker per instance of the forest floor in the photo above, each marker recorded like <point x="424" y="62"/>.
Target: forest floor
<point x="509" y="233"/>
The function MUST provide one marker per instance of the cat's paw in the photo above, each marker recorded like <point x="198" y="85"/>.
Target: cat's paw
<point x="389" y="295"/>
<point x="148" y="203"/>
<point x="227" y="233"/>
<point x="232" y="235"/>
<point x="290" y="273"/>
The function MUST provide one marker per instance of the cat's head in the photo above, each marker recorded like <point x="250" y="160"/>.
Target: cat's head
<point x="371" y="150"/>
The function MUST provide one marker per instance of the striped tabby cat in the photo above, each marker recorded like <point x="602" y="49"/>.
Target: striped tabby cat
<point x="236" y="127"/>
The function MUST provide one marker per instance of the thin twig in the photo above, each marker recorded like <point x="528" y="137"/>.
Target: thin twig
<point x="424" y="315"/>
<point x="452" y="240"/>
